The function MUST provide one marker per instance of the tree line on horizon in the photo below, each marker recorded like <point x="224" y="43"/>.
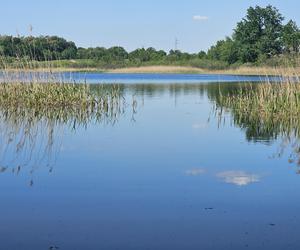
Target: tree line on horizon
<point x="260" y="35"/>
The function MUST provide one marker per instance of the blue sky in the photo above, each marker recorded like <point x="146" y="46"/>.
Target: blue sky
<point x="134" y="23"/>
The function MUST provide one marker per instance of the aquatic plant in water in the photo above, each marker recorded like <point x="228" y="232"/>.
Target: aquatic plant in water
<point x="266" y="112"/>
<point x="33" y="118"/>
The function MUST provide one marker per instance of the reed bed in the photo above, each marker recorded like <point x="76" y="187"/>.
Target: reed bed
<point x="275" y="101"/>
<point x="36" y="109"/>
<point x="58" y="96"/>
<point x="34" y="118"/>
<point x="38" y="106"/>
<point x="266" y="112"/>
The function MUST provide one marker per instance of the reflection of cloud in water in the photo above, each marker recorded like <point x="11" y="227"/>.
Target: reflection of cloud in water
<point x="199" y="125"/>
<point x="195" y="171"/>
<point x="239" y="178"/>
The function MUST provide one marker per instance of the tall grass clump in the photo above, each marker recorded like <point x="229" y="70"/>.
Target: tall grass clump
<point x="266" y="112"/>
<point x="268" y="100"/>
<point x="34" y="118"/>
<point x="37" y="106"/>
<point x="58" y="96"/>
<point x="273" y="107"/>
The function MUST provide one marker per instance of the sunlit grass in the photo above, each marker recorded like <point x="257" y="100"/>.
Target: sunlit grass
<point x="266" y="112"/>
<point x="266" y="101"/>
<point x="53" y="95"/>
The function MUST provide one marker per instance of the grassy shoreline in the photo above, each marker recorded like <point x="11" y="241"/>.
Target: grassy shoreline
<point x="243" y="70"/>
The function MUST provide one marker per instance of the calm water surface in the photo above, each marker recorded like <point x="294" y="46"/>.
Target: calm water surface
<point x="165" y="173"/>
<point x="113" y="78"/>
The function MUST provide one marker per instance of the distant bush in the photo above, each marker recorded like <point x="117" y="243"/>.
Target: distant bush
<point x="259" y="38"/>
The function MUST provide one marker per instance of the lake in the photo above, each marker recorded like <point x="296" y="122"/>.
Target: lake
<point x="116" y="78"/>
<point x="165" y="170"/>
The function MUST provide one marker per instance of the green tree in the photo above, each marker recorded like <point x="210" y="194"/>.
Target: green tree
<point x="140" y="55"/>
<point x="259" y="33"/>
<point x="224" y="50"/>
<point x="202" y="54"/>
<point x="117" y="54"/>
<point x="291" y="37"/>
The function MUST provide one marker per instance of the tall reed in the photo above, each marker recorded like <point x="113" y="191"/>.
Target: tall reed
<point x="267" y="112"/>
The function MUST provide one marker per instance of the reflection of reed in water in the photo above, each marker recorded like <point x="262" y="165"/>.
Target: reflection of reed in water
<point x="27" y="142"/>
<point x="266" y="112"/>
<point x="33" y="118"/>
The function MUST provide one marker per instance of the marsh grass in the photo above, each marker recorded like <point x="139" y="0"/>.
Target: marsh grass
<point x="267" y="112"/>
<point x="36" y="109"/>
<point x="58" y="96"/>
<point x="34" y="118"/>
<point x="269" y="101"/>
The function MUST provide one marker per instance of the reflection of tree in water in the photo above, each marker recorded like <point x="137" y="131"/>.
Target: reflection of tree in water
<point x="260" y="126"/>
<point x="31" y="138"/>
<point x="265" y="129"/>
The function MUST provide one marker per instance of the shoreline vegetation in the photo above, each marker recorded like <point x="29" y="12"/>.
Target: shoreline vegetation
<point x="262" y="43"/>
<point x="261" y="56"/>
<point x="169" y="69"/>
<point x="244" y="70"/>
<point x="61" y="102"/>
<point x="265" y="112"/>
<point x="34" y="117"/>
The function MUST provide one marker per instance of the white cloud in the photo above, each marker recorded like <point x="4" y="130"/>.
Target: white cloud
<point x="200" y="18"/>
<point x="239" y="178"/>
